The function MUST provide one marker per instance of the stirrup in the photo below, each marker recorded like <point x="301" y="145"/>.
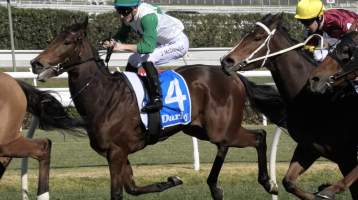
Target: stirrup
<point x="154" y="106"/>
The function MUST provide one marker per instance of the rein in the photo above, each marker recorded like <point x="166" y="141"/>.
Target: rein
<point x="266" y="43"/>
<point x="63" y="67"/>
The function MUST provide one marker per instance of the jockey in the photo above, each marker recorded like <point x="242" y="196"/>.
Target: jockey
<point x="331" y="24"/>
<point x="162" y="41"/>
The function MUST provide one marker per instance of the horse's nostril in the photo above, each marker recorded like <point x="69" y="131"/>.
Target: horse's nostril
<point x="227" y="62"/>
<point x="315" y="78"/>
<point x="34" y="62"/>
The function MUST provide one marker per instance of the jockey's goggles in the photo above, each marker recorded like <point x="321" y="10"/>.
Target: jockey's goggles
<point x="307" y="22"/>
<point x="124" y="11"/>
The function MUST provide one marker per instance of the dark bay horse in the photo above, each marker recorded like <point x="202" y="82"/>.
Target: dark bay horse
<point x="334" y="75"/>
<point x="15" y="98"/>
<point x="109" y="106"/>
<point x="319" y="126"/>
<point x="339" y="68"/>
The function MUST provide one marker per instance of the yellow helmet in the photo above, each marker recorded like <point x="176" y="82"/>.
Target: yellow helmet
<point x="309" y="9"/>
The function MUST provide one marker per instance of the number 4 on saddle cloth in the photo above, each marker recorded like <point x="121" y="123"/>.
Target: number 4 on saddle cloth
<point x="176" y="100"/>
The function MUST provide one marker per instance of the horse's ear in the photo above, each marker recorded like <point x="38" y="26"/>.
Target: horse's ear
<point x="267" y="16"/>
<point x="277" y="19"/>
<point x="85" y="23"/>
<point x="74" y="20"/>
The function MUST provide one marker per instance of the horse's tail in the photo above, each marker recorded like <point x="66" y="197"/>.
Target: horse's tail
<point x="266" y="99"/>
<point x="50" y="112"/>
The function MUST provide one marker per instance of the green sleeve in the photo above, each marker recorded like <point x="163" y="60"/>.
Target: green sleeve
<point x="123" y="33"/>
<point x="149" y="25"/>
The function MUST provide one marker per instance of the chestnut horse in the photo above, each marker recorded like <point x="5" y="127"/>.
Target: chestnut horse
<point x="339" y="68"/>
<point x="319" y="126"/>
<point x="108" y="104"/>
<point x="15" y="98"/>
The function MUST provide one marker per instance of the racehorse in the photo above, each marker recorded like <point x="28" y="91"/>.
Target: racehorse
<point x="15" y="98"/>
<point x="109" y="106"/>
<point x="339" y="68"/>
<point x="334" y="75"/>
<point x="319" y="126"/>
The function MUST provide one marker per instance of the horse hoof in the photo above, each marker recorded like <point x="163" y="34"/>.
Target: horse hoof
<point x="219" y="194"/>
<point x="323" y="186"/>
<point x="271" y="187"/>
<point x="325" y="195"/>
<point x="175" y="180"/>
<point x="274" y="187"/>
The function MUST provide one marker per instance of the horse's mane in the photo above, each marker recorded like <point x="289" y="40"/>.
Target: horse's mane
<point x="293" y="41"/>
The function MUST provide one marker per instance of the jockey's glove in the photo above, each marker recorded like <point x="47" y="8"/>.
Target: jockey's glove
<point x="320" y="54"/>
<point x="309" y="48"/>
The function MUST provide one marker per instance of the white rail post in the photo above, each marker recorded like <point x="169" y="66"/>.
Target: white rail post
<point x="24" y="161"/>
<point x="276" y="139"/>
<point x="196" y="154"/>
<point x="195" y="140"/>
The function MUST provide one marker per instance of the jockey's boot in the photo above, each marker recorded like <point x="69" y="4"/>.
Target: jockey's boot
<point x="154" y="90"/>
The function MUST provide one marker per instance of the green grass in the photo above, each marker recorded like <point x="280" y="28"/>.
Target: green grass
<point x="178" y="149"/>
<point x="80" y="173"/>
<point x="237" y="179"/>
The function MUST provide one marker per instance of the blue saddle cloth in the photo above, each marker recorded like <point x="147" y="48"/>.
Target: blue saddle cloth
<point x="176" y="99"/>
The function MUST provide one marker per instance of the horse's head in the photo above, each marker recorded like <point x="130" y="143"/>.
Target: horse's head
<point x="253" y="45"/>
<point x="63" y="51"/>
<point x="331" y="73"/>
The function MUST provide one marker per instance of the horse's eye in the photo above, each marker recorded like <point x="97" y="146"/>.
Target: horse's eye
<point x="67" y="42"/>
<point x="258" y="37"/>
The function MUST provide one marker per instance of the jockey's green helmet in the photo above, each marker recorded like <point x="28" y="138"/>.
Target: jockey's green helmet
<point x="126" y="3"/>
<point x="309" y="9"/>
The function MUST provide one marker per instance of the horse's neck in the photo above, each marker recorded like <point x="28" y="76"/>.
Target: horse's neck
<point x="90" y="85"/>
<point x="290" y="70"/>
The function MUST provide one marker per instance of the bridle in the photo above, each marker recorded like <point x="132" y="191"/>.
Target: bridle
<point x="67" y="65"/>
<point x="270" y="34"/>
<point x="348" y="68"/>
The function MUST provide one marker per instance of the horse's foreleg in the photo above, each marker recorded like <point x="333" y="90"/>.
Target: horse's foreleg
<point x="257" y="139"/>
<point x="122" y="176"/>
<point x="4" y="162"/>
<point x="261" y="148"/>
<point x="132" y="189"/>
<point x="116" y="161"/>
<point x="216" y="192"/>
<point x="341" y="185"/>
<point x="301" y="161"/>
<point x="39" y="149"/>
<point x="348" y="167"/>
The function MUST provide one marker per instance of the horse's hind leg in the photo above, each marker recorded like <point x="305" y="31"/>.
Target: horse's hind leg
<point x="4" y="162"/>
<point x="122" y="176"/>
<point x="302" y="159"/>
<point x="216" y="192"/>
<point x="257" y="139"/>
<point x="38" y="149"/>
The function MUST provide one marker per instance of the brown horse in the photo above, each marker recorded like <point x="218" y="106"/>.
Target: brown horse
<point x="319" y="126"/>
<point x="15" y="98"/>
<point x="109" y="106"/>
<point x="339" y="68"/>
